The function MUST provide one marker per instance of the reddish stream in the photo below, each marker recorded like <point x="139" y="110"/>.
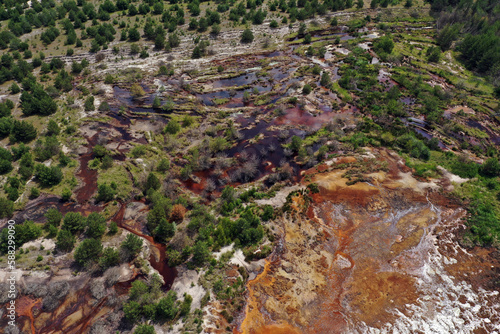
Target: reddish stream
<point x="87" y="175"/>
<point x="159" y="263"/>
<point x="84" y="194"/>
<point x="80" y="301"/>
<point x="57" y="325"/>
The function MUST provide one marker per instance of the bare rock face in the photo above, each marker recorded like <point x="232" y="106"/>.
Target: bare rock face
<point x="37" y="290"/>
<point x="56" y="292"/>
<point x="4" y="294"/>
<point x="97" y="289"/>
<point x="12" y="330"/>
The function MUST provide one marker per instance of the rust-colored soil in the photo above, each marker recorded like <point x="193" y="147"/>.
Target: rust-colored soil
<point x="357" y="258"/>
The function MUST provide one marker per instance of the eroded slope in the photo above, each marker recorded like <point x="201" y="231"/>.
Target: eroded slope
<point x="369" y="255"/>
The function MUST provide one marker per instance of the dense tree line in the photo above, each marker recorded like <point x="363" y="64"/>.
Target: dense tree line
<point x="477" y="22"/>
<point x="73" y="15"/>
<point x="36" y="101"/>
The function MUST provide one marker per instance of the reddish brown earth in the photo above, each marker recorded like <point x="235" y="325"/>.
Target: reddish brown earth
<point x="375" y="254"/>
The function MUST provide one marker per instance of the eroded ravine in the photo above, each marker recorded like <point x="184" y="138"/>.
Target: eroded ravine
<point x="157" y="257"/>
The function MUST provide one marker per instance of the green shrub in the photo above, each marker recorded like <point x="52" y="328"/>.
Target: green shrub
<point x="110" y="257"/>
<point x="465" y="169"/>
<point x="89" y="250"/>
<point x="187" y="121"/>
<point x="89" y="104"/>
<point x="66" y="194"/>
<point x="138" y="151"/>
<point x="25" y="232"/>
<point x="105" y="193"/>
<point x="74" y="222"/>
<point x="156" y="102"/>
<point x="113" y="228"/>
<point x="384" y="45"/>
<point x="306" y="89"/>
<point x="152" y="182"/>
<point x="483" y="215"/>
<point x="186" y="305"/>
<point x="144" y="329"/>
<point x="52" y="128"/>
<point x="132" y="310"/>
<point x="53" y="217"/>
<point x="22" y="131"/>
<point x="52" y="231"/>
<point x="201" y="253"/>
<point x="104" y="106"/>
<point x="99" y="151"/>
<point x="172" y="127"/>
<point x="5" y="126"/>
<point x="109" y="79"/>
<point x="5" y="166"/>
<point x="166" y="308"/>
<point x="37" y="102"/>
<point x="12" y="193"/>
<point x="132" y="245"/>
<point x="65" y="241"/>
<point x="48" y="176"/>
<point x="247" y="36"/>
<point x="96" y="225"/>
<point x="163" y="165"/>
<point x="433" y="54"/>
<point x="414" y="146"/>
<point x="14" y="88"/>
<point x="268" y="213"/>
<point x="107" y="162"/>
<point x="164" y="230"/>
<point x="325" y="79"/>
<point x="35" y="192"/>
<point x="6" y="208"/>
<point x="296" y="143"/>
<point x="490" y="168"/>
